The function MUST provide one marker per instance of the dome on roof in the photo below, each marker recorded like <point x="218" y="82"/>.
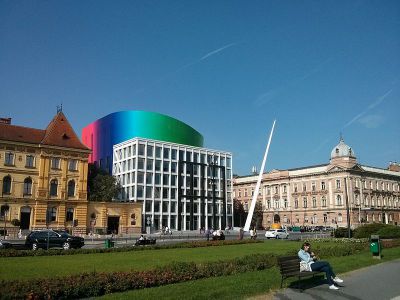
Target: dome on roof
<point x="342" y="150"/>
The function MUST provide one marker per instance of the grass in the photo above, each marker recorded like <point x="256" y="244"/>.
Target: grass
<point x="242" y="286"/>
<point x="49" y="266"/>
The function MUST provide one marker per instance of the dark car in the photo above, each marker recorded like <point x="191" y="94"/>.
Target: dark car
<point x="52" y="239"/>
<point x="5" y="245"/>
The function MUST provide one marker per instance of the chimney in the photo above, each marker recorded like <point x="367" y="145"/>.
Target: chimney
<point x="5" y="121"/>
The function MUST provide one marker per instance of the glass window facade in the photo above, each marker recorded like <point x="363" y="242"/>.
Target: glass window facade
<point x="205" y="182"/>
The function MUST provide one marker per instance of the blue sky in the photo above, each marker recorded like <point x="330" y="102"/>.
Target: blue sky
<point x="227" y="68"/>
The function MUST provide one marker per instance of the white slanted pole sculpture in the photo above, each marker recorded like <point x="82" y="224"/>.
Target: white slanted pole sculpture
<point x="255" y="195"/>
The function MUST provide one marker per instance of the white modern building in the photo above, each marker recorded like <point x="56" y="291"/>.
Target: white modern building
<point x="181" y="186"/>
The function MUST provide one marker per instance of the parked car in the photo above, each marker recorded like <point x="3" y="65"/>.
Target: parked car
<point x="276" y="234"/>
<point x="52" y="239"/>
<point x="5" y="245"/>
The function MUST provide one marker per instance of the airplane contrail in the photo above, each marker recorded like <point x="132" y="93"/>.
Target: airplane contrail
<point x="217" y="50"/>
<point x="369" y="107"/>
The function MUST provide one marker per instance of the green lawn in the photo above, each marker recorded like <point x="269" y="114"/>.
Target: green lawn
<point x="49" y="266"/>
<point x="245" y="285"/>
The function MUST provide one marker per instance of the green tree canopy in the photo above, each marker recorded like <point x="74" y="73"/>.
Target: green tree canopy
<point x="101" y="185"/>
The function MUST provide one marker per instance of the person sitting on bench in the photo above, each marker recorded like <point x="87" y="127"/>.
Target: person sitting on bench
<point x="309" y="263"/>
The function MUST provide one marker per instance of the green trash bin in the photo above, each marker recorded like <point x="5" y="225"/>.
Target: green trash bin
<point x="108" y="243"/>
<point x="375" y="246"/>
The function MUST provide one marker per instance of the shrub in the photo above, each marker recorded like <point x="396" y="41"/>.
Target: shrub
<point x="342" y="232"/>
<point x="389" y="232"/>
<point x="15" y="222"/>
<point x="366" y="230"/>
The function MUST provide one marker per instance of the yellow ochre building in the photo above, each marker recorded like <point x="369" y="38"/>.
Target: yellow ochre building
<point x="43" y="183"/>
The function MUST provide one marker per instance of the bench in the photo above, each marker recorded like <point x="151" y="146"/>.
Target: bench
<point x="145" y="242"/>
<point x="289" y="266"/>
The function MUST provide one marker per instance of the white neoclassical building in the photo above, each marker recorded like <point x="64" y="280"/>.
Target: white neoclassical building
<point x="181" y="186"/>
<point x="326" y="195"/>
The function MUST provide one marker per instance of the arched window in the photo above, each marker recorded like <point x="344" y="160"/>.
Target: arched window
<point x="71" y="188"/>
<point x="323" y="201"/>
<point x="340" y="217"/>
<point x="28" y="186"/>
<point x="53" y="187"/>
<point x="7" y="185"/>
<point x="4" y="211"/>
<point x="338" y="200"/>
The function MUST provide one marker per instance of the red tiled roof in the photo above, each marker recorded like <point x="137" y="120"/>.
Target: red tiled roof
<point x="21" y="134"/>
<point x="59" y="133"/>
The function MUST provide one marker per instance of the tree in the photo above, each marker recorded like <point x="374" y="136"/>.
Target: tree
<point x="101" y="185"/>
<point x="257" y="215"/>
<point x="239" y="215"/>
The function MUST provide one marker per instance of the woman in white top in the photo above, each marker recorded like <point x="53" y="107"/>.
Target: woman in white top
<point x="308" y="259"/>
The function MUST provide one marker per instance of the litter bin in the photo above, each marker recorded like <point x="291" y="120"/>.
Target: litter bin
<point x="108" y="243"/>
<point x="375" y="246"/>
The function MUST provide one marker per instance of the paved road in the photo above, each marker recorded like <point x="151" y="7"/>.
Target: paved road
<point x="378" y="282"/>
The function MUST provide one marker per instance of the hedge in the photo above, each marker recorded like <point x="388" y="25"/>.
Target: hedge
<point x="52" y="252"/>
<point x="97" y="284"/>
<point x="383" y="230"/>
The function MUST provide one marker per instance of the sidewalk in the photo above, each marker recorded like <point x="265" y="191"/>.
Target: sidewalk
<point x="375" y="282"/>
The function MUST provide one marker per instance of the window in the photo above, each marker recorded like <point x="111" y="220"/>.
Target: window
<point x="55" y="163"/>
<point x="276" y="190"/>
<point x="9" y="159"/>
<point x="173" y="154"/>
<point x="166" y="153"/>
<point x="149" y="165"/>
<point x="295" y="188"/>
<point x="71" y="188"/>
<point x="314" y="202"/>
<point x="69" y="216"/>
<point x="4" y="211"/>
<point x="140" y="163"/>
<point x="166" y="166"/>
<point x="305" y="202"/>
<point x="323" y="201"/>
<point x="149" y="192"/>
<point x="338" y="184"/>
<point x="340" y="218"/>
<point x="296" y="203"/>
<point x="7" y="185"/>
<point x="133" y="219"/>
<point x="285" y="203"/>
<point x="173" y="168"/>
<point x="304" y="187"/>
<point x="139" y="191"/>
<point x="339" y="200"/>
<point x="284" y="188"/>
<point x="313" y="186"/>
<point x="158" y="152"/>
<point x="322" y="185"/>
<point x="53" y="187"/>
<point x="141" y="149"/>
<point x="51" y="214"/>
<point x="150" y="150"/>
<point x="28" y="186"/>
<point x="30" y="160"/>
<point x="72" y="165"/>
